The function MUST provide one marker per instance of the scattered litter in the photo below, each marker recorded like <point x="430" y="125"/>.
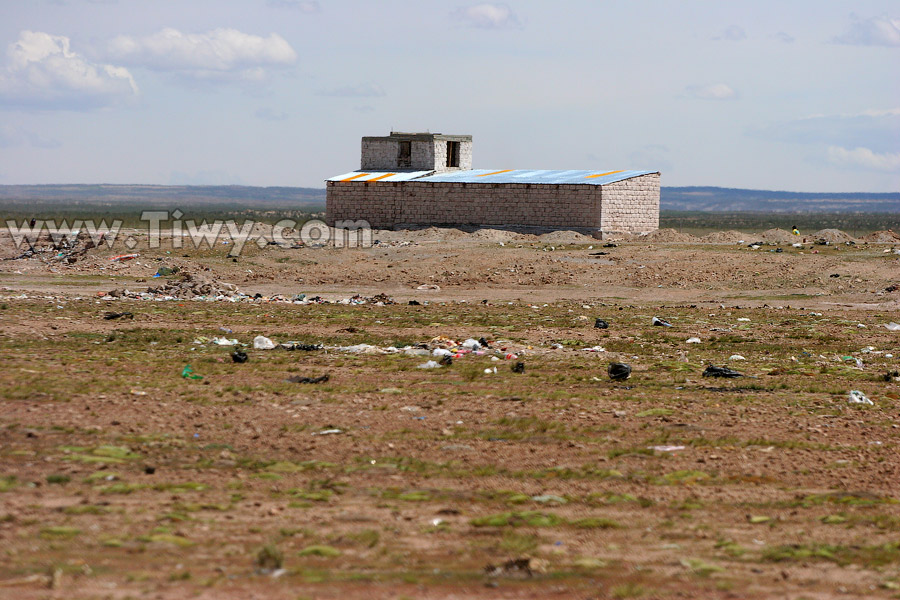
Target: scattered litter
<point x="595" y="349"/>
<point x="301" y="346"/>
<point x="490" y="370"/>
<point x="857" y="397"/>
<point x="693" y="340"/>
<point x="744" y="320"/>
<point x="188" y="373"/>
<point x="429" y="286"/>
<point x="429" y="365"/>
<point x="660" y="322"/>
<point x="239" y="356"/>
<point x="122" y="257"/>
<point x="519" y="367"/>
<point x="714" y="371"/>
<point x="298" y="379"/>
<point x="118" y="315"/>
<point x="327" y="432"/>
<point x="221" y="341"/>
<point x="137" y="393"/>
<point x="618" y="371"/>
<point x="736" y="357"/>
<point x="666" y="448"/>
<point x="601" y="324"/>
<point x="891" y="376"/>
<point x="893" y="326"/>
<point x="263" y="343"/>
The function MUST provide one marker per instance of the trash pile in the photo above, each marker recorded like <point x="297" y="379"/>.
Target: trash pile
<point x="66" y="251"/>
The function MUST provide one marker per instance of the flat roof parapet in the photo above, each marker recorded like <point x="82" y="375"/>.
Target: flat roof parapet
<point x="417" y="137"/>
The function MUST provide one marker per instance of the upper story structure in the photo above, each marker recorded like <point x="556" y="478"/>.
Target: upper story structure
<point x="417" y="152"/>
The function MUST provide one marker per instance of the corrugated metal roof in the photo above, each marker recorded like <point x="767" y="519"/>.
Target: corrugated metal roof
<point x="494" y="176"/>
<point x="526" y="176"/>
<point x="380" y="176"/>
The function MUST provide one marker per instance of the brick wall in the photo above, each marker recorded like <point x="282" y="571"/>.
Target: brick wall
<point x="634" y="207"/>
<point x="425" y="155"/>
<point x="631" y="205"/>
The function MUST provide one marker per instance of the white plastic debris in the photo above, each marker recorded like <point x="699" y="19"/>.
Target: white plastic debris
<point x="441" y="352"/>
<point x="860" y="326"/>
<point x="595" y="349"/>
<point x="222" y="341"/>
<point x="666" y="448"/>
<point x="471" y="344"/>
<point x="797" y="245"/>
<point x="693" y="340"/>
<point x="736" y="357"/>
<point x="857" y="397"/>
<point x="490" y="371"/>
<point x="660" y="322"/>
<point x="263" y="343"/>
<point x="744" y="319"/>
<point x="893" y="326"/>
<point x="327" y="432"/>
<point x="429" y="365"/>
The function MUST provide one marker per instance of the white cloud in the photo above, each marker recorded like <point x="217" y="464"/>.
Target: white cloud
<point x="864" y="158"/>
<point x="220" y="54"/>
<point x="267" y="114"/>
<point x="877" y="129"/>
<point x="488" y="16"/>
<point x="877" y="31"/>
<point x="42" y="71"/>
<point x="305" y="6"/>
<point x="732" y="33"/>
<point x="361" y="90"/>
<point x="787" y="38"/>
<point x="713" y="91"/>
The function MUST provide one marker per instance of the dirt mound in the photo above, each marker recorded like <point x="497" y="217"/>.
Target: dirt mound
<point x="667" y="236"/>
<point x="724" y="237"/>
<point x="565" y="237"/>
<point x="494" y="235"/>
<point x="833" y="236"/>
<point x="778" y="236"/>
<point x="885" y="236"/>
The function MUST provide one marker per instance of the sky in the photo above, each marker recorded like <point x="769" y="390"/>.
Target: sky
<point x="763" y="94"/>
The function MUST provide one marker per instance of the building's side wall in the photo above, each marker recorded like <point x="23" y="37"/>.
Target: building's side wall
<point x="626" y="206"/>
<point x="387" y="204"/>
<point x="631" y="205"/>
<point x="379" y="155"/>
<point x="423" y="155"/>
<point x="440" y="156"/>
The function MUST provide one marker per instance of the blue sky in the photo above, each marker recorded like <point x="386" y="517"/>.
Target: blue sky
<point x="801" y="95"/>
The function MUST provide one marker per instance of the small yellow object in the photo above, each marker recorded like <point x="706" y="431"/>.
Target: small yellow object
<point x="795" y="231"/>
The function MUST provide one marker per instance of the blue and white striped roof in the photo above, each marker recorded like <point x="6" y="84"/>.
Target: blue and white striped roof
<point x="526" y="176"/>
<point x="494" y="176"/>
<point x="379" y="176"/>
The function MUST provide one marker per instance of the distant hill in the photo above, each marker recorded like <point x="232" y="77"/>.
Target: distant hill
<point x="716" y="199"/>
<point x="692" y="199"/>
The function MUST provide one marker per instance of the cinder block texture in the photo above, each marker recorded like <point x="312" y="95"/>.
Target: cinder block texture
<point x="631" y="205"/>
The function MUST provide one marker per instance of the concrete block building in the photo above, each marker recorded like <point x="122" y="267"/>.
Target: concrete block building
<point x="428" y="179"/>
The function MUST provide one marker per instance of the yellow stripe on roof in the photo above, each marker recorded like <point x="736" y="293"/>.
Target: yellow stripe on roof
<point x="355" y="177"/>
<point x="380" y="177"/>
<point x="602" y="174"/>
<point x="495" y="173"/>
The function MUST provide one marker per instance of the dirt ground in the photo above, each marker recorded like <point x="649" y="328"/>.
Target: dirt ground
<point x="121" y="476"/>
